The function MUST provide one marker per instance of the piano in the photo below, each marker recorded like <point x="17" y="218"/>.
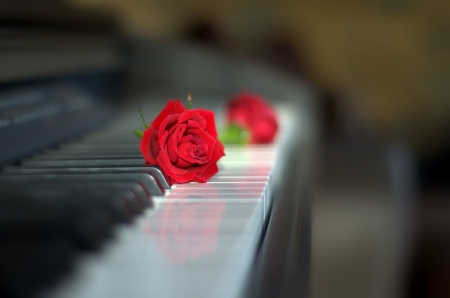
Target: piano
<point x="81" y="213"/>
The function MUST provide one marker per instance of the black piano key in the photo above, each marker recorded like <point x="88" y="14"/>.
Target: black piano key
<point x="136" y="198"/>
<point x="25" y="219"/>
<point x="113" y="204"/>
<point x="131" y="194"/>
<point x="138" y="191"/>
<point x="130" y="199"/>
<point x="92" y="231"/>
<point x="65" y="163"/>
<point x="87" y="155"/>
<point x="101" y="145"/>
<point x="156" y="173"/>
<point x="109" y="140"/>
<point x="146" y="181"/>
<point x="108" y="137"/>
<point x="104" y="149"/>
<point x="28" y="265"/>
<point x="28" y="219"/>
<point x="132" y="202"/>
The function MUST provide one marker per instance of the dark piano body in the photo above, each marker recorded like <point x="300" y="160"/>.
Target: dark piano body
<point x="73" y="187"/>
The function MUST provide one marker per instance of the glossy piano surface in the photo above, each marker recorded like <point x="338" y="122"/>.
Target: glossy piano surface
<point x="200" y="240"/>
<point x="190" y="240"/>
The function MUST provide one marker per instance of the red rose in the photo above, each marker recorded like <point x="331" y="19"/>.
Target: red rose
<point x="255" y="115"/>
<point x="183" y="143"/>
<point x="186" y="230"/>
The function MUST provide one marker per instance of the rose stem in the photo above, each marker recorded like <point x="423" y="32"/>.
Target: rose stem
<point x="142" y="117"/>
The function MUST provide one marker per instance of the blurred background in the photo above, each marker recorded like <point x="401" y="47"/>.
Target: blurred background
<point x="381" y="71"/>
<point x="385" y="63"/>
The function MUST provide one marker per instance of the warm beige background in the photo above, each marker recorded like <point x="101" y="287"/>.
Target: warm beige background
<point x="391" y="58"/>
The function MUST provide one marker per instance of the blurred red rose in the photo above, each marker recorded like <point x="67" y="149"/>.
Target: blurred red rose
<point x="255" y="115"/>
<point x="185" y="230"/>
<point x="183" y="143"/>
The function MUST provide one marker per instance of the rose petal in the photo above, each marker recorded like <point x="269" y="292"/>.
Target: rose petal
<point x="192" y="124"/>
<point x="220" y="148"/>
<point x="162" y="140"/>
<point x="207" y="174"/>
<point x="172" y="107"/>
<point x="210" y="121"/>
<point x="172" y="149"/>
<point x="201" y="135"/>
<point x="165" y="163"/>
<point x="187" y="147"/>
<point x="167" y="124"/>
<point x="263" y="132"/>
<point x="173" y="140"/>
<point x="194" y="116"/>
<point x="181" y="163"/>
<point x="180" y="132"/>
<point x="206" y="139"/>
<point x="255" y="115"/>
<point x="184" y="150"/>
<point x="150" y="146"/>
<point x="188" y="177"/>
<point x="217" y="154"/>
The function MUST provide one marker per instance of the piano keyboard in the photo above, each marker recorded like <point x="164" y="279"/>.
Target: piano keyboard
<point x="188" y="240"/>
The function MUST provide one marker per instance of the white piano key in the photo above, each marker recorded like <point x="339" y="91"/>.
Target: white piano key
<point x="200" y="241"/>
<point x="207" y="252"/>
<point x="225" y="192"/>
<point x="222" y="179"/>
<point x="225" y="184"/>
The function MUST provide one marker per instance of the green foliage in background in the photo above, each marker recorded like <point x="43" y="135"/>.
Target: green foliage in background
<point x="234" y="134"/>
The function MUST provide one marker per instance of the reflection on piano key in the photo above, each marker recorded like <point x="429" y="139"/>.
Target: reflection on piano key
<point x="196" y="241"/>
<point x="185" y="230"/>
<point x="201" y="237"/>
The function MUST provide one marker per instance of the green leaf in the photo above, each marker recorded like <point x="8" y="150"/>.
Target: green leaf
<point x="234" y="134"/>
<point x="139" y="133"/>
